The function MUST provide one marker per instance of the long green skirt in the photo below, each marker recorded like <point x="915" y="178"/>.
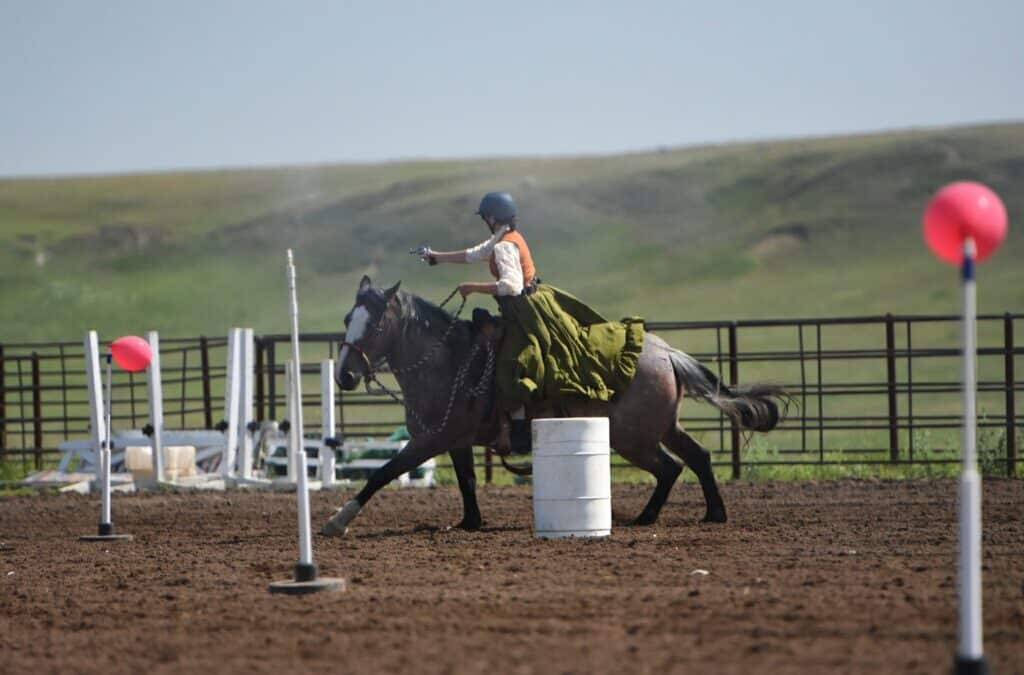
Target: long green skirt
<point x="556" y="349"/>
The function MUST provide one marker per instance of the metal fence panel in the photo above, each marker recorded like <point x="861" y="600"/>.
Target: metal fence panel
<point x="867" y="390"/>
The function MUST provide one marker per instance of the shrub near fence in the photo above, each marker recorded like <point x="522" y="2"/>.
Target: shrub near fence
<point x="878" y="390"/>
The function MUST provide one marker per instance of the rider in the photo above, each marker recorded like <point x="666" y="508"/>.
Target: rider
<point x="555" y="348"/>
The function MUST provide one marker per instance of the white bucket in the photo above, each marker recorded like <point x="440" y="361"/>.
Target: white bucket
<point x="571" y="477"/>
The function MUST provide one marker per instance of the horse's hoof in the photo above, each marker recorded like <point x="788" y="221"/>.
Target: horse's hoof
<point x="644" y="519"/>
<point x="331" y="530"/>
<point x="470" y="525"/>
<point x="715" y="517"/>
<point x="337" y="526"/>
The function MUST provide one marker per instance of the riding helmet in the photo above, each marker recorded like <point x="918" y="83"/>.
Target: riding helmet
<point x="498" y="205"/>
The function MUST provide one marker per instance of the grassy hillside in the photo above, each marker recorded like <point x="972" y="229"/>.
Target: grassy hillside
<point x="798" y="228"/>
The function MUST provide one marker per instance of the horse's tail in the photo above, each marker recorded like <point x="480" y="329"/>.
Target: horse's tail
<point x="757" y="407"/>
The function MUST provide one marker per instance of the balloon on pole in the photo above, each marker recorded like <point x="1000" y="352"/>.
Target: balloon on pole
<point x="964" y="223"/>
<point x="963" y="210"/>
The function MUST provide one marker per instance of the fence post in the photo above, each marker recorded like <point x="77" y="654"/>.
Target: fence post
<point x="890" y="367"/>
<point x="1011" y="403"/>
<point x="37" y="413"/>
<point x="3" y="404"/>
<point x="204" y="360"/>
<point x="261" y="399"/>
<point x="272" y="381"/>
<point x="488" y="465"/>
<point x="734" y="376"/>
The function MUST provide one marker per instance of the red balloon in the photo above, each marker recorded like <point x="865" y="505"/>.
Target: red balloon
<point x="131" y="352"/>
<point x="961" y="210"/>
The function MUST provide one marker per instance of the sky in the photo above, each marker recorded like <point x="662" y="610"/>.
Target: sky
<point x="121" y="86"/>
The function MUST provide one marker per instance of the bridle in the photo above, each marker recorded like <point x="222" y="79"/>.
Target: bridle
<point x="358" y="350"/>
<point x="371" y="371"/>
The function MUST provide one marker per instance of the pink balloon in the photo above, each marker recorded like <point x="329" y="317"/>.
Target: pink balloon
<point x="131" y="352"/>
<point x="961" y="210"/>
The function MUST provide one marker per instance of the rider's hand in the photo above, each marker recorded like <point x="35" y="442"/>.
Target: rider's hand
<point x="426" y="254"/>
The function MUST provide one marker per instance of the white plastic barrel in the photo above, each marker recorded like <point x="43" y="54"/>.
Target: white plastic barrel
<point x="571" y="477"/>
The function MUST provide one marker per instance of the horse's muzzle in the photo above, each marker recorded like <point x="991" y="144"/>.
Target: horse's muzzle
<point x="346" y="379"/>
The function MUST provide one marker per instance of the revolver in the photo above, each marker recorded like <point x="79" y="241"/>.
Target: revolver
<point x="425" y="254"/>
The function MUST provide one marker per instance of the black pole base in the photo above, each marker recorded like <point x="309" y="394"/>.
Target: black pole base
<point x="106" y="533"/>
<point x="305" y="572"/>
<point x="966" y="666"/>
<point x="306" y="581"/>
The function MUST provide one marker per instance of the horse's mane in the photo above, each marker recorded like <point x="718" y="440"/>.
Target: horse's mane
<point x="425" y="318"/>
<point x="420" y="310"/>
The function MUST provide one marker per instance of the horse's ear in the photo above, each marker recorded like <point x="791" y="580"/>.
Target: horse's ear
<point x="391" y="291"/>
<point x="364" y="283"/>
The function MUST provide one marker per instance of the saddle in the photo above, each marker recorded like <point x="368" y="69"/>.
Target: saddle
<point x="486" y="326"/>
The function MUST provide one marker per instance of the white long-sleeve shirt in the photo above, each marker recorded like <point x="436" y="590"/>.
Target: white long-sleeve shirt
<point x="506" y="258"/>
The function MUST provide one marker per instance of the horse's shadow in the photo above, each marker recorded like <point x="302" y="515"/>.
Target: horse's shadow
<point x="434" y="529"/>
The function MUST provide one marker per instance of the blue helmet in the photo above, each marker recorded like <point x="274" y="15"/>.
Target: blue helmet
<point x="498" y="205"/>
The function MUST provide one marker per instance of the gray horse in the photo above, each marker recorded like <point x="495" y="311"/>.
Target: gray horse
<point x="444" y="368"/>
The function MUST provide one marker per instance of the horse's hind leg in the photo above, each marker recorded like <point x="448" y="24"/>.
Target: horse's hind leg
<point x="462" y="460"/>
<point x="665" y="469"/>
<point x="698" y="459"/>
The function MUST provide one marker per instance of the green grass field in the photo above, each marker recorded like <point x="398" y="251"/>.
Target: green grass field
<point x="823" y="227"/>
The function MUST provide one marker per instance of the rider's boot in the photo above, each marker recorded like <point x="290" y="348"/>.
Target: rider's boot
<point x="503" y="443"/>
<point x="520" y="436"/>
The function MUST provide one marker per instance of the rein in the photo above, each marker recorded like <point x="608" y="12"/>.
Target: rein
<point x="481" y="388"/>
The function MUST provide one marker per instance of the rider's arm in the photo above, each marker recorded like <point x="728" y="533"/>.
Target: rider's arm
<point x="449" y="256"/>
<point x="481" y="251"/>
<point x="486" y="287"/>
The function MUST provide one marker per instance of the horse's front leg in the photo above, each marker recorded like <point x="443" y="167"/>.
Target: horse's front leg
<point x="462" y="460"/>
<point x="412" y="455"/>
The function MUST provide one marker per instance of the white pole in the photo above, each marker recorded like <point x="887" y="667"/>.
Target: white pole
<point x="231" y="404"/>
<point x="92" y="373"/>
<point x="327" y="421"/>
<point x="289" y="388"/>
<point x="229" y="371"/>
<point x="101" y="434"/>
<point x="107" y="451"/>
<point x="305" y="543"/>
<point x="156" y="406"/>
<point x="970" y="481"/>
<point x="245" y="400"/>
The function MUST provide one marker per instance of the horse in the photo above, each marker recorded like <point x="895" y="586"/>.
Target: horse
<point x="444" y="367"/>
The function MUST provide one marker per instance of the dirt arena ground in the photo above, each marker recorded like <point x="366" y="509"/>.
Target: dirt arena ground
<point x="844" y="577"/>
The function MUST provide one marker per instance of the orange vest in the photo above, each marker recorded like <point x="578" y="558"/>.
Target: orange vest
<point x="525" y="259"/>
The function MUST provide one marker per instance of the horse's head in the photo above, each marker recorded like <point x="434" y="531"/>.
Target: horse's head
<point x="367" y="333"/>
